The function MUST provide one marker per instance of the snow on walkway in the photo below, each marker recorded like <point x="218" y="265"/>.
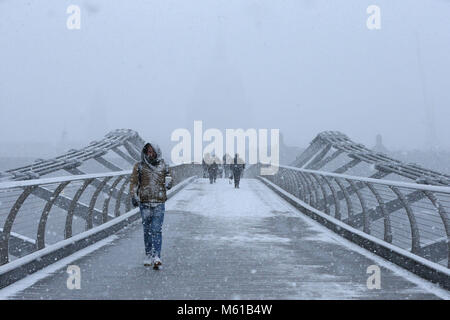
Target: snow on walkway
<point x="225" y="243"/>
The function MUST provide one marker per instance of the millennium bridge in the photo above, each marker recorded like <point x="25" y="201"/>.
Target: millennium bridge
<point x="319" y="228"/>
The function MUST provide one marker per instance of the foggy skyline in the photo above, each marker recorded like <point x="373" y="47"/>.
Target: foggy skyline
<point x="154" y="66"/>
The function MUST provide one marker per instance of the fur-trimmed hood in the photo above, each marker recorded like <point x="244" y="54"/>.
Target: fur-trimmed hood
<point x="157" y="150"/>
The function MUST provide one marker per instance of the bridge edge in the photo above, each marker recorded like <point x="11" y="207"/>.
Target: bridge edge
<point x="38" y="260"/>
<point x="405" y="260"/>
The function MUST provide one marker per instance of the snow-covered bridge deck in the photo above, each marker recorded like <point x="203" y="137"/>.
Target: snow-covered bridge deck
<point x="225" y="243"/>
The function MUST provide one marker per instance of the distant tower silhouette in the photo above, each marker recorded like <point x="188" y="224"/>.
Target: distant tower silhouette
<point x="97" y="123"/>
<point x="431" y="142"/>
<point x="62" y="143"/>
<point x="379" y="147"/>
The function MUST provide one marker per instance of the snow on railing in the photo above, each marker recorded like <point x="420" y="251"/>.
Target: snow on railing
<point x="411" y="216"/>
<point x="36" y="213"/>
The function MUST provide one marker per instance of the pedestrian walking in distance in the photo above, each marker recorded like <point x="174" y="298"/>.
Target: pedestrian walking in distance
<point x="212" y="170"/>
<point x="148" y="184"/>
<point x="238" y="168"/>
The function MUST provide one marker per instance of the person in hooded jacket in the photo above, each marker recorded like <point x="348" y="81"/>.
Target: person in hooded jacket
<point x="148" y="184"/>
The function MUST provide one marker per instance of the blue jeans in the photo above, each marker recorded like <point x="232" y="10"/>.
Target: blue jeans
<point x="152" y="220"/>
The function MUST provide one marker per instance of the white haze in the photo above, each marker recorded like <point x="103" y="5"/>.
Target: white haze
<point x="303" y="66"/>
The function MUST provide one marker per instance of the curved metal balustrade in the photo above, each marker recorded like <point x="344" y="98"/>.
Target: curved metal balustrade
<point x="41" y="205"/>
<point x="333" y="151"/>
<point x="410" y="216"/>
<point x="125" y="144"/>
<point x="30" y="223"/>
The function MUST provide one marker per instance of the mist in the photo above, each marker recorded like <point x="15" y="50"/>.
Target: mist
<point x="154" y="66"/>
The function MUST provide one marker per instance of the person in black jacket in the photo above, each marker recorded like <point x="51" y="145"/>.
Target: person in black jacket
<point x="238" y="169"/>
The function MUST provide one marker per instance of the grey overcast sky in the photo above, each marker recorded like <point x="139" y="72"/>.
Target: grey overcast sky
<point x="303" y="66"/>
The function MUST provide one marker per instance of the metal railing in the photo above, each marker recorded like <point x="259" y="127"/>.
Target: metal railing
<point x="73" y="204"/>
<point x="333" y="151"/>
<point x="72" y="160"/>
<point x="410" y="216"/>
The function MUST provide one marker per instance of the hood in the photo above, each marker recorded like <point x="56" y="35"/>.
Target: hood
<point x="156" y="148"/>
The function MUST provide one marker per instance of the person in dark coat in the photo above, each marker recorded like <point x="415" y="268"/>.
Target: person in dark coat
<point x="224" y="163"/>
<point x="238" y="169"/>
<point x="205" y="168"/>
<point x="212" y="170"/>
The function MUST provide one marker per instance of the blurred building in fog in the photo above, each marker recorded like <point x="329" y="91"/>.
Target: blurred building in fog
<point x="288" y="153"/>
<point x="379" y="147"/>
<point x="61" y="145"/>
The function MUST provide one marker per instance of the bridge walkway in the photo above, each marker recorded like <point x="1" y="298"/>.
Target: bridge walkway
<point x="226" y="243"/>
